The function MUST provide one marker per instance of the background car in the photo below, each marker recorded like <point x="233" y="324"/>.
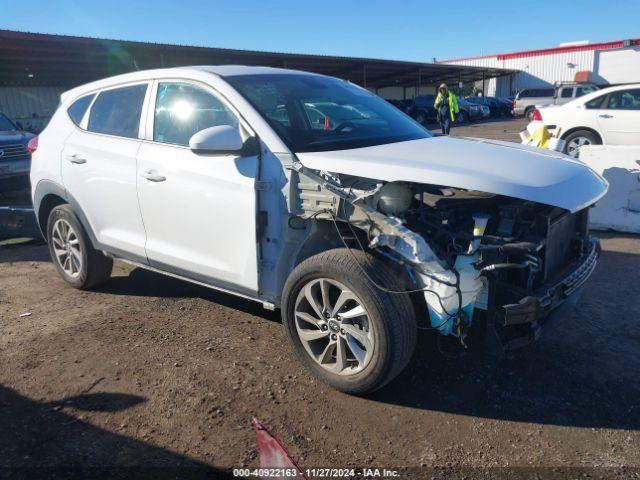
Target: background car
<point x="567" y="92"/>
<point x="469" y="112"/>
<point x="497" y="108"/>
<point x="508" y="104"/>
<point x="15" y="157"/>
<point x="527" y="99"/>
<point x="422" y="110"/>
<point x="564" y="92"/>
<point x="610" y="116"/>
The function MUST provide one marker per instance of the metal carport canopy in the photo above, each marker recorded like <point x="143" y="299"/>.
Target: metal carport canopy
<point x="35" y="59"/>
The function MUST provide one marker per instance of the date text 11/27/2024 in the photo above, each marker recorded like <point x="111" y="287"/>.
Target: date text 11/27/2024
<point x="315" y="473"/>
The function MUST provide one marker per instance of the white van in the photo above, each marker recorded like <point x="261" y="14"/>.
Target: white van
<point x="312" y="195"/>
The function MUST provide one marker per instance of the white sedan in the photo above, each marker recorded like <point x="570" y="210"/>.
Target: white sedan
<point x="610" y="116"/>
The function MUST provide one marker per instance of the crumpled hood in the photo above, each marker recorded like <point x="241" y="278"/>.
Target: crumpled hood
<point x="490" y="166"/>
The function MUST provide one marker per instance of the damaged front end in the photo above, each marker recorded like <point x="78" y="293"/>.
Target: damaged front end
<point x="467" y="254"/>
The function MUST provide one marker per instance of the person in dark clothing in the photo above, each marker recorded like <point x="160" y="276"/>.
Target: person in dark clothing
<point x="446" y="105"/>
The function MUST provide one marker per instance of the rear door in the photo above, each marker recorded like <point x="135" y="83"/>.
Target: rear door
<point x="99" y="169"/>
<point x="620" y="119"/>
<point x="199" y="210"/>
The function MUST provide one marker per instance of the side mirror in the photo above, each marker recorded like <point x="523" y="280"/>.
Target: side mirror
<point x="216" y="140"/>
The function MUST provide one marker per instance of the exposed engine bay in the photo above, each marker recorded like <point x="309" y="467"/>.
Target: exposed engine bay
<point x="465" y="252"/>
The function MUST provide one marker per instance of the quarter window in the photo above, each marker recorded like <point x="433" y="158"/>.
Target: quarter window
<point x="117" y="111"/>
<point x="595" y="103"/>
<point x="78" y="108"/>
<point x="183" y="110"/>
<point x="625" y="100"/>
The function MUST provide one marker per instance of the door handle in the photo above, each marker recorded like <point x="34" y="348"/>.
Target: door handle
<point x="76" y="159"/>
<point x="153" y="177"/>
<point x="605" y="115"/>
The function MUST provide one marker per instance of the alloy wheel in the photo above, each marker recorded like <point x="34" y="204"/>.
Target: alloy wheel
<point x="334" y="327"/>
<point x="573" y="147"/>
<point x="67" y="249"/>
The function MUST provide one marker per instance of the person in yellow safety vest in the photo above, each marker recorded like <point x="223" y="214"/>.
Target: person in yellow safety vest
<point x="446" y="105"/>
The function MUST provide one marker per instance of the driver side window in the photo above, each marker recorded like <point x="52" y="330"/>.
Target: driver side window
<point x="183" y="109"/>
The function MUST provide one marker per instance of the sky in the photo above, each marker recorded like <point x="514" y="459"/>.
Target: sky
<point x="400" y="30"/>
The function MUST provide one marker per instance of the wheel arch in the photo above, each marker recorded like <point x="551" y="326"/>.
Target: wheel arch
<point x="321" y="237"/>
<point x="587" y="129"/>
<point x="47" y="196"/>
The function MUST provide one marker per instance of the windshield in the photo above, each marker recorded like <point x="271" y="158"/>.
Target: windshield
<point x="313" y="113"/>
<point x="6" y="125"/>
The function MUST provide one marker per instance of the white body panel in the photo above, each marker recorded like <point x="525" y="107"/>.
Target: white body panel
<point x="105" y="187"/>
<point x="201" y="218"/>
<point x="45" y="161"/>
<point x="620" y="127"/>
<point x="488" y="166"/>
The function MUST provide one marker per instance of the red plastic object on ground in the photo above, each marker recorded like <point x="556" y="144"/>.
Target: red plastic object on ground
<point x="537" y="116"/>
<point x="273" y="454"/>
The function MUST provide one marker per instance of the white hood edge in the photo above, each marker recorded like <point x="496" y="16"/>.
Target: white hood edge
<point x="502" y="168"/>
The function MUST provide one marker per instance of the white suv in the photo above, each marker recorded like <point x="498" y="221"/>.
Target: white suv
<point x="312" y="195"/>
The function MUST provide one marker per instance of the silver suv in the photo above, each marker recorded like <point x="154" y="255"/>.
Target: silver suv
<point x="528" y="99"/>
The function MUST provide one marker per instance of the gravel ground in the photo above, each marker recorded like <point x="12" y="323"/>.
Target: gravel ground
<point x="156" y="376"/>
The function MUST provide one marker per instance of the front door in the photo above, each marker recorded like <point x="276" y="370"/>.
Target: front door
<point x="199" y="211"/>
<point x="619" y="120"/>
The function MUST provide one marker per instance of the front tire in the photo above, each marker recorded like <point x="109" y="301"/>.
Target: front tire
<point x="75" y="259"/>
<point x="346" y="332"/>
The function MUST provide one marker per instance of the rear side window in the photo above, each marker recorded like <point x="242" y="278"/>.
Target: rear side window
<point x="117" y="111"/>
<point x="78" y="108"/>
<point x="546" y="92"/>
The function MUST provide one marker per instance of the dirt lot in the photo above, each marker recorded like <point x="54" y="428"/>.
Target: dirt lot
<point x="156" y="373"/>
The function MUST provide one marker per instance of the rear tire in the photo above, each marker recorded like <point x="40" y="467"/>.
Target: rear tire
<point x="384" y="328"/>
<point x="529" y="113"/>
<point x="75" y="259"/>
